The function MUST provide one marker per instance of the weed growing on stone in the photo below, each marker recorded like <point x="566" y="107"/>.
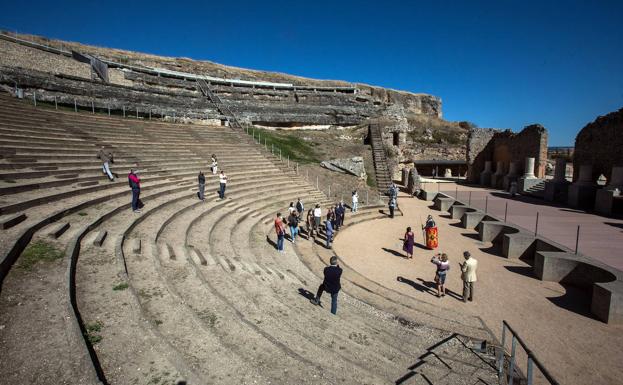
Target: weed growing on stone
<point x="121" y="286"/>
<point x="82" y="214"/>
<point x="36" y="252"/>
<point x="92" y="330"/>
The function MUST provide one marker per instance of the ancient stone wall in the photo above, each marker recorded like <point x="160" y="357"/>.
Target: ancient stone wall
<point x="506" y="147"/>
<point x="600" y="144"/>
<point x="476" y="155"/>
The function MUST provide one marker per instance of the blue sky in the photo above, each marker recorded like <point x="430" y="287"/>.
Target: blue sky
<point x="501" y="63"/>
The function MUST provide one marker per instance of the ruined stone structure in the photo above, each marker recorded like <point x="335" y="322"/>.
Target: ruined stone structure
<point x="507" y="151"/>
<point x="598" y="152"/>
<point x="55" y="77"/>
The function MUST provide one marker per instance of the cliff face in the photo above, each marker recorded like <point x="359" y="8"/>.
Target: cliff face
<point x="53" y="75"/>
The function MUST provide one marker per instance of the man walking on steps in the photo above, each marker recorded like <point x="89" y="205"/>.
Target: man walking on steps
<point x="468" y="269"/>
<point x="201" y="179"/>
<point x="330" y="284"/>
<point x="135" y="185"/>
<point x="107" y="158"/>
<point x="223" y="184"/>
<point x="299" y="207"/>
<point x="280" y="229"/>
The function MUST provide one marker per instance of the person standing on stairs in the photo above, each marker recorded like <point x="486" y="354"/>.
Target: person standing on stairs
<point x="107" y="158"/>
<point x="223" y="184"/>
<point x="214" y="165"/>
<point x="135" y="185"/>
<point x="202" y="186"/>
<point x="280" y="229"/>
<point x="299" y="207"/>
<point x="317" y="217"/>
<point x="330" y="284"/>
<point x="342" y="210"/>
<point x="310" y="223"/>
<point x="328" y="232"/>
<point x="293" y="223"/>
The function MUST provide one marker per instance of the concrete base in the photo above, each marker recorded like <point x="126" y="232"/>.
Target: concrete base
<point x="506" y="184"/>
<point x="485" y="178"/>
<point x="581" y="196"/>
<point x="496" y="181"/>
<point x="604" y="202"/>
<point x="443" y="203"/>
<point x="556" y="191"/>
<point x="428" y="195"/>
<point x="470" y="220"/>
<point x="524" y="184"/>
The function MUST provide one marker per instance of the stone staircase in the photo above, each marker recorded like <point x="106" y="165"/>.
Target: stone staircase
<point x="537" y="190"/>
<point x="218" y="103"/>
<point x="381" y="168"/>
<point x="208" y="298"/>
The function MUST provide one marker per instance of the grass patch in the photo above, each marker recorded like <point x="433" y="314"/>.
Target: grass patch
<point x="82" y="214"/>
<point x="36" y="252"/>
<point x="370" y="181"/>
<point x="158" y="322"/>
<point x="296" y="148"/>
<point x="121" y="286"/>
<point x="92" y="330"/>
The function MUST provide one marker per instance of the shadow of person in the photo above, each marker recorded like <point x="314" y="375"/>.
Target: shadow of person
<point x="433" y="287"/>
<point x="306" y="293"/>
<point x="393" y="252"/>
<point x="271" y="242"/>
<point x="415" y="285"/>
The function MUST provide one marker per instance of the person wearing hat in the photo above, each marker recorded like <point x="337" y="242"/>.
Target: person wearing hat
<point x="468" y="269"/>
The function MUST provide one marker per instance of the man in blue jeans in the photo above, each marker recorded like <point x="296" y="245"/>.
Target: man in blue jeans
<point x="330" y="284"/>
<point x="280" y="229"/>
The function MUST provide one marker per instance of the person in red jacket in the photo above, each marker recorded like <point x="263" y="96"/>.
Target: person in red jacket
<point x="135" y="185"/>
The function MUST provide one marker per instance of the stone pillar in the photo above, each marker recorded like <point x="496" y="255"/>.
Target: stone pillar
<point x="560" y="170"/>
<point x="485" y="176"/>
<point x="529" y="169"/>
<point x="497" y="178"/>
<point x="414" y="184"/>
<point x="511" y="176"/>
<point x="605" y="198"/>
<point x="404" y="176"/>
<point x="557" y="188"/>
<point x="582" y="191"/>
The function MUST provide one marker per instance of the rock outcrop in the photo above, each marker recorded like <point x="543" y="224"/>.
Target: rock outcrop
<point x="353" y="166"/>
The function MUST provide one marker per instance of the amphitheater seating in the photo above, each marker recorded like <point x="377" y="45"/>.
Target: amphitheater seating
<point x="209" y="299"/>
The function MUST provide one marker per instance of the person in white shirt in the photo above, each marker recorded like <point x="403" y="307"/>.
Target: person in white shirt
<point x="223" y="184"/>
<point x="214" y="165"/>
<point x="355" y="198"/>
<point x="317" y="218"/>
<point x="468" y="269"/>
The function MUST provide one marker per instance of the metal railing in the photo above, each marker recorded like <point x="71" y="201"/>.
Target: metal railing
<point x="507" y="373"/>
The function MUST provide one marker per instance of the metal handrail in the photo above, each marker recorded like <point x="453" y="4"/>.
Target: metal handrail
<point x="532" y="359"/>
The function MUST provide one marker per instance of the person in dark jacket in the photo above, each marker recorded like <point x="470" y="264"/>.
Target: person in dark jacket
<point x="330" y="284"/>
<point x="135" y="185"/>
<point x="201" y="179"/>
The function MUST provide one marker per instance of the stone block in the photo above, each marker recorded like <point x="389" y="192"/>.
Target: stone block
<point x="525" y="184"/>
<point x="443" y="203"/>
<point x="58" y="230"/>
<point x="100" y="238"/>
<point x="12" y="220"/>
<point x="604" y="202"/>
<point x="556" y="191"/>
<point x="581" y="196"/>
<point x="470" y="220"/>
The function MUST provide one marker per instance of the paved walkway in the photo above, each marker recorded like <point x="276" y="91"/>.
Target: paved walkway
<point x="554" y="320"/>
<point x="600" y="237"/>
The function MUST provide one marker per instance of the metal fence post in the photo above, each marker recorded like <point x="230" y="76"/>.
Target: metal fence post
<point x="536" y="226"/>
<point x="317" y="182"/>
<point x="511" y="368"/>
<point x="367" y="198"/>
<point x="92" y="107"/>
<point x="529" y="372"/>
<point x="469" y="202"/>
<point x="297" y="168"/>
<point x="75" y="106"/>
<point x="150" y="114"/>
<point x="329" y="191"/>
<point x="577" y="240"/>
<point x="505" y="211"/>
<point x="124" y="111"/>
<point x="307" y="175"/>
<point x="34" y="97"/>
<point x="136" y="112"/>
<point x="456" y="193"/>
<point x="272" y="148"/>
<point x="109" y="110"/>
<point x="486" y="203"/>
<point x="501" y="358"/>
<point x="288" y="160"/>
<point x="280" y="155"/>
<point x="55" y="104"/>
<point x="173" y="116"/>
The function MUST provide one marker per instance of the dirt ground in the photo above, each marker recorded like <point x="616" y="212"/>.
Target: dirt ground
<point x="554" y="320"/>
